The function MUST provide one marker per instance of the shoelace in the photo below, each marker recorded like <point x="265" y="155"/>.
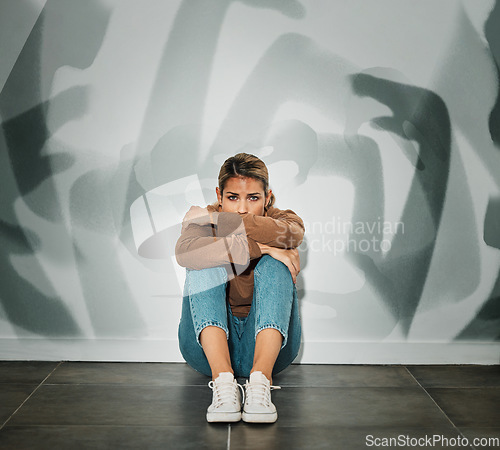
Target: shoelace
<point x="224" y="392"/>
<point x="259" y="393"/>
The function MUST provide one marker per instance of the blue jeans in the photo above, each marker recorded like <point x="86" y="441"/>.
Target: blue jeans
<point x="274" y="305"/>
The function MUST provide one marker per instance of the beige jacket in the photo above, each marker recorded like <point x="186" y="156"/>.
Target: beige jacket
<point x="230" y="240"/>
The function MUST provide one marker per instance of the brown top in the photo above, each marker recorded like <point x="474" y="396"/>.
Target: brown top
<point x="230" y="239"/>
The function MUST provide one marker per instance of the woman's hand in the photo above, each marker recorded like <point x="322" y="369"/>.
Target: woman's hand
<point x="289" y="257"/>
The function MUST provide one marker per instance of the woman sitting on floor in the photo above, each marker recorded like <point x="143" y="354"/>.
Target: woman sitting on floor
<point x="240" y="314"/>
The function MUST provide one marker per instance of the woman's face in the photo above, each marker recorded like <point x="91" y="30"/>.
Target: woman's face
<point x="243" y="195"/>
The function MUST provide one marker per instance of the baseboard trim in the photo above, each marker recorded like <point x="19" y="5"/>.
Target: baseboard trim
<point x="311" y="352"/>
<point x="400" y="353"/>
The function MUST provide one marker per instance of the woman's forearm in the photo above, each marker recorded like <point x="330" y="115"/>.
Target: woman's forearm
<point x="286" y="230"/>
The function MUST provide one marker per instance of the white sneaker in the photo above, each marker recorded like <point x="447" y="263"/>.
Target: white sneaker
<point x="226" y="399"/>
<point x="258" y="407"/>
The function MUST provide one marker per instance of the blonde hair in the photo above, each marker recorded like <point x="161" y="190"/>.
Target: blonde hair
<point x="246" y="165"/>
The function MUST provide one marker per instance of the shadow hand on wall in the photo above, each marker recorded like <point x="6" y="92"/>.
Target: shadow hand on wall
<point x="28" y="168"/>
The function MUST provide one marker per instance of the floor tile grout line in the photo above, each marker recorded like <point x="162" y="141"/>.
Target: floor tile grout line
<point x="439" y="407"/>
<point x="29" y="396"/>
<point x="117" y="425"/>
<point x="228" y="436"/>
<point x="89" y="383"/>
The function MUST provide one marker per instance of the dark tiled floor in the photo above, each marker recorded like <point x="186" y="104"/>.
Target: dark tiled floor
<point x="45" y="405"/>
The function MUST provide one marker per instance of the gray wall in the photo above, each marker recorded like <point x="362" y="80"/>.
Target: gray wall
<point x="380" y="124"/>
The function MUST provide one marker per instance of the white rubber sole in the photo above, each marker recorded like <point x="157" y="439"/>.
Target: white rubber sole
<point x="259" y="418"/>
<point x="223" y="417"/>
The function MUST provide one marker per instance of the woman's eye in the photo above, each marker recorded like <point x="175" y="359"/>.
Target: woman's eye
<point x="232" y="197"/>
<point x="254" y="198"/>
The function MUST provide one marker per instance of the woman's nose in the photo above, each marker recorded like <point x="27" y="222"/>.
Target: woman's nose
<point x="242" y="206"/>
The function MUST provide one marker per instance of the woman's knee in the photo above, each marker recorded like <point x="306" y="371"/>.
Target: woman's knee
<point x="205" y="279"/>
<point x="210" y="273"/>
<point x="269" y="265"/>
